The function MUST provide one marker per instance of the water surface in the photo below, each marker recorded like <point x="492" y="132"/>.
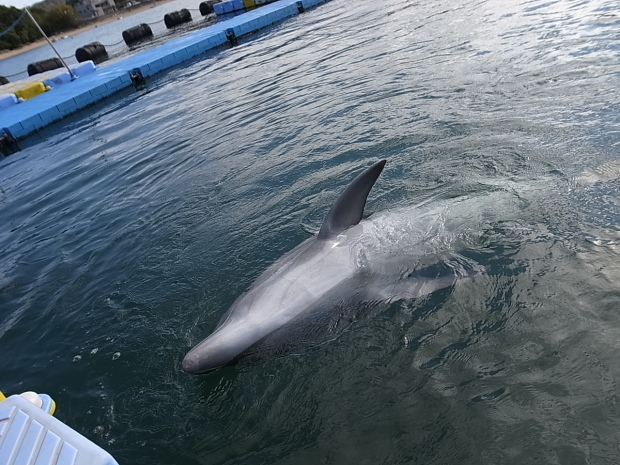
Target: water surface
<point x="128" y="229"/>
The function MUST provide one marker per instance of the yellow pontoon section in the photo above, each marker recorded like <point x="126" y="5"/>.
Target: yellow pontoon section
<point x="29" y="90"/>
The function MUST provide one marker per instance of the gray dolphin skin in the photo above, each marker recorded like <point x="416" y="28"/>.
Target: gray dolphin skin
<point x="310" y="276"/>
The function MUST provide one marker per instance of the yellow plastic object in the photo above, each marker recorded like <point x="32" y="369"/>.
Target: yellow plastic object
<point x="42" y="401"/>
<point x="32" y="89"/>
<point x="249" y="4"/>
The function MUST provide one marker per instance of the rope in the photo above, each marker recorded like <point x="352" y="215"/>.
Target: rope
<point x="13" y="75"/>
<point x="156" y="22"/>
<point x="114" y="45"/>
<point x="14" y="24"/>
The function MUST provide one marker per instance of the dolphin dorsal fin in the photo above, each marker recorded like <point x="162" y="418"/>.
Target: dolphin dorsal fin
<point x="349" y="208"/>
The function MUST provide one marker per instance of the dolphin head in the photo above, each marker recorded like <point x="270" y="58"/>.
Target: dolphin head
<point x="223" y="346"/>
<point x="274" y="298"/>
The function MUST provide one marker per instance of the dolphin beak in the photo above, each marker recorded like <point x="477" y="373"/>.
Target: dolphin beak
<point x="209" y="355"/>
<point x="191" y="363"/>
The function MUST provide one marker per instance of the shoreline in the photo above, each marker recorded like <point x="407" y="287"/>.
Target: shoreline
<point x="108" y="19"/>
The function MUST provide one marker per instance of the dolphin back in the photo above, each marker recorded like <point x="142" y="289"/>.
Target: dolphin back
<point x="348" y="210"/>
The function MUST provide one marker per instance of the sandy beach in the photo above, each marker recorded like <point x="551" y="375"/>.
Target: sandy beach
<point x="108" y="19"/>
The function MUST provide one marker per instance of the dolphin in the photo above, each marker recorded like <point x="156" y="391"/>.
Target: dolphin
<point x="306" y="281"/>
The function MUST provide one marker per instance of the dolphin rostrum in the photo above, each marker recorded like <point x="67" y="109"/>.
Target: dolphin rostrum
<point x="308" y="277"/>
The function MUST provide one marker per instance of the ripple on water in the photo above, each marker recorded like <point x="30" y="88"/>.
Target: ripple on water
<point x="127" y="230"/>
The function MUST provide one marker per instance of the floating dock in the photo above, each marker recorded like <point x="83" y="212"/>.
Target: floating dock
<point x="23" y="119"/>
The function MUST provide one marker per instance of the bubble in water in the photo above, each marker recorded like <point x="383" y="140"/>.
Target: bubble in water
<point x="115" y="355"/>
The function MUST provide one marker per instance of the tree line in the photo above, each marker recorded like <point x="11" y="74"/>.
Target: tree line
<point x="53" y="20"/>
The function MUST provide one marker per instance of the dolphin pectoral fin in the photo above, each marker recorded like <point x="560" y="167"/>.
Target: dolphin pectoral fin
<point x="421" y="283"/>
<point x="348" y="210"/>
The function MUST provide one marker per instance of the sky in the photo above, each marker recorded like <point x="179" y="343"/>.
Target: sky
<point x="17" y="3"/>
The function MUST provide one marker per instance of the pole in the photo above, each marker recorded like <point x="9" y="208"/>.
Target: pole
<point x="73" y="76"/>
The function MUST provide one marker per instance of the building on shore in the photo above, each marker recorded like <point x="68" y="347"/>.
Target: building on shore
<point x="89" y="9"/>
